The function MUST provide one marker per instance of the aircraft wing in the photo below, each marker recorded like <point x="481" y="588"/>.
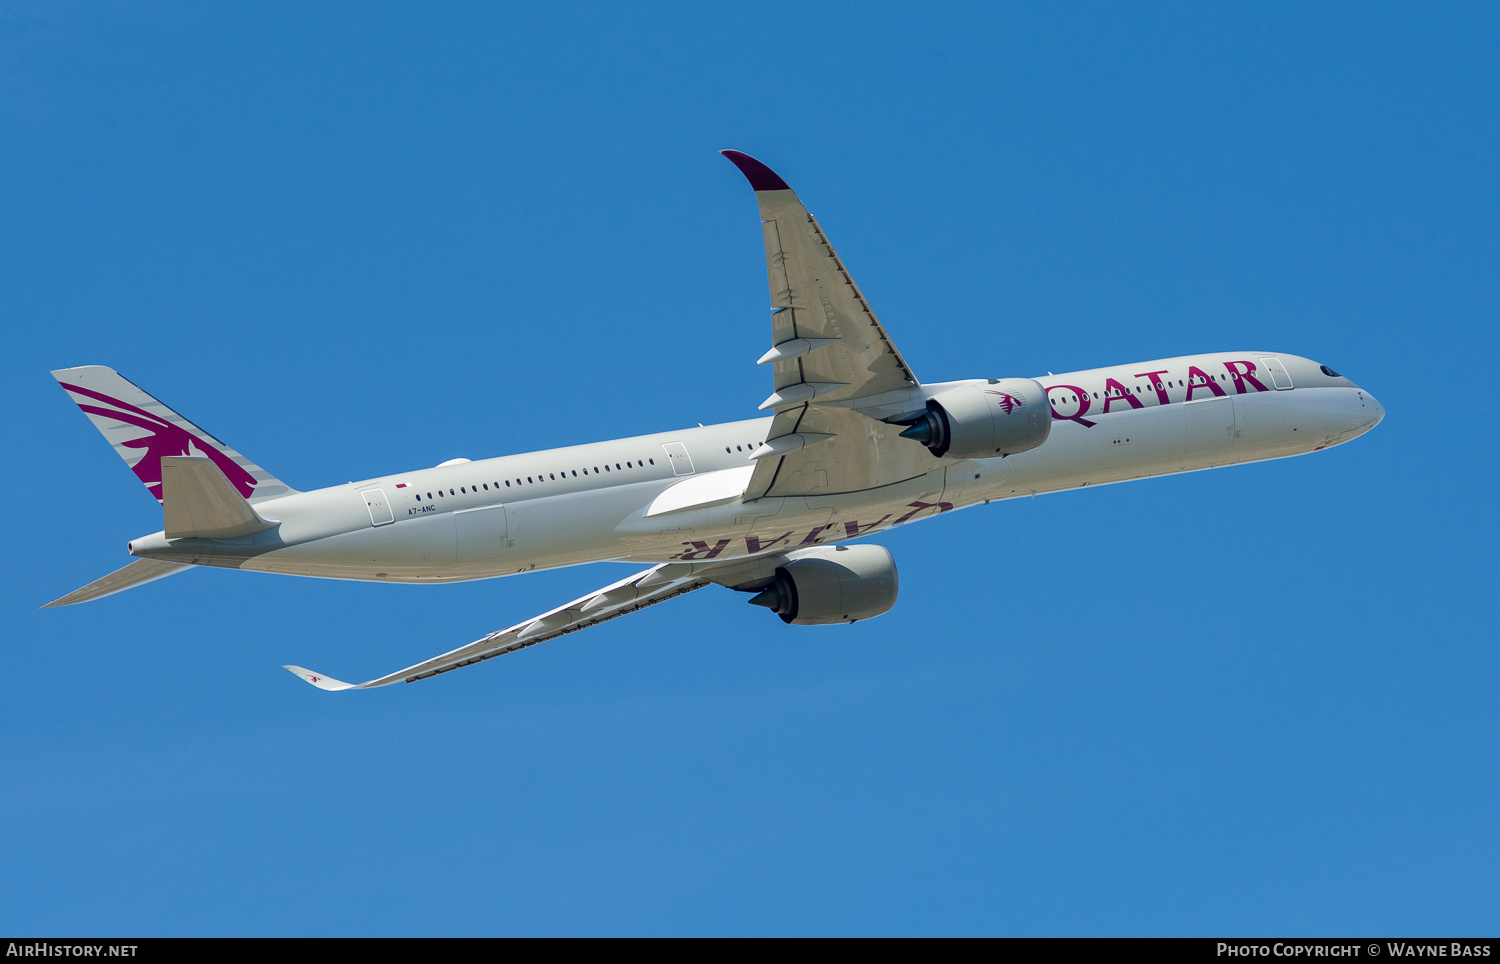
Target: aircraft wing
<point x="829" y="357"/>
<point x="647" y="588"/>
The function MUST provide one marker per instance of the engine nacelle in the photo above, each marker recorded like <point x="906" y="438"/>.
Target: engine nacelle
<point x="1007" y="416"/>
<point x="832" y="584"/>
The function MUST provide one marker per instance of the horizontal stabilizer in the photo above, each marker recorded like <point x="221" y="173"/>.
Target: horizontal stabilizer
<point x="138" y="573"/>
<point x="199" y="502"/>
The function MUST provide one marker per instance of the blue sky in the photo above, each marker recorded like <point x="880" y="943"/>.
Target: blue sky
<point x="352" y="239"/>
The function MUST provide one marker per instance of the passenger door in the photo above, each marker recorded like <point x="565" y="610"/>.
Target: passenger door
<point x="677" y="455"/>
<point x="380" y="509"/>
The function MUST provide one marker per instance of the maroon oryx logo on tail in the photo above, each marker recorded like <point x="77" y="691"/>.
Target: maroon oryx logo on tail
<point x="165" y="439"/>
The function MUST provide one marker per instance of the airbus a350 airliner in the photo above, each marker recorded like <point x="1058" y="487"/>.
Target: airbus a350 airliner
<point x="854" y="445"/>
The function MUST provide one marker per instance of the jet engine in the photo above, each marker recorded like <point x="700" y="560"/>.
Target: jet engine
<point x="831" y="584"/>
<point x="1006" y="416"/>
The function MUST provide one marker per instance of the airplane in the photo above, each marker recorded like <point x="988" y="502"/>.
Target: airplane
<point x="853" y="445"/>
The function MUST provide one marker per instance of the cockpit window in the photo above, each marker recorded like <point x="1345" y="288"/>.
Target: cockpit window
<point x="1329" y="371"/>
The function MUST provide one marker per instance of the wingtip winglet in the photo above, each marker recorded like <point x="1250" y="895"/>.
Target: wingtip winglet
<point x="318" y="679"/>
<point x="761" y="178"/>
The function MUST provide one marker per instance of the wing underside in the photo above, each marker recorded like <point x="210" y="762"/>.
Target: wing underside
<point x="632" y="594"/>
<point x="629" y="595"/>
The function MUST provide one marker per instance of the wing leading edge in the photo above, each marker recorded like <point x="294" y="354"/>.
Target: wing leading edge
<point x="634" y="593"/>
<point x="829" y="356"/>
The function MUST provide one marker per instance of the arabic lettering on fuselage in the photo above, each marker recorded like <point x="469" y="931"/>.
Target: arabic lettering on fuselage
<point x="700" y="550"/>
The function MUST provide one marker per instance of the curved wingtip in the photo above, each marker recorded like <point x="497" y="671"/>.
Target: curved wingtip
<point x="319" y="680"/>
<point x="761" y="178"/>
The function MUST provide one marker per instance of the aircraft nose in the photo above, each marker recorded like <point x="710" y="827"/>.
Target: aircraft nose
<point x="1361" y="412"/>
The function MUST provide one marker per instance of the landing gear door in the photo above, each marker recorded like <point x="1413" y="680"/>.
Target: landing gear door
<point x="1279" y="376"/>
<point x="966" y="482"/>
<point x="380" y="509"/>
<point x="481" y="533"/>
<point x="1208" y="424"/>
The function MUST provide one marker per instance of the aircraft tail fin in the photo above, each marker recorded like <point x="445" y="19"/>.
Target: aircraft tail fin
<point x="138" y="573"/>
<point x="143" y="432"/>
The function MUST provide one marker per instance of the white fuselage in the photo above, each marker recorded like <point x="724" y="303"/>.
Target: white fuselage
<point x="609" y="500"/>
